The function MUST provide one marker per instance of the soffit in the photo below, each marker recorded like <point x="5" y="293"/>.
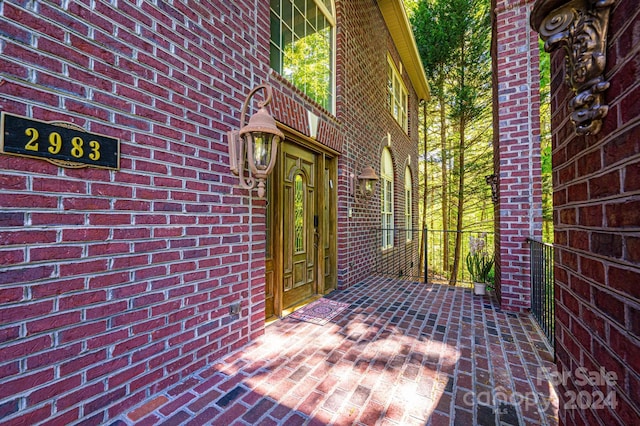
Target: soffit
<point x="398" y="24"/>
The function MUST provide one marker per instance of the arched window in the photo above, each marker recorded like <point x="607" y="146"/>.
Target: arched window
<point x="408" y="202"/>
<point x="386" y="210"/>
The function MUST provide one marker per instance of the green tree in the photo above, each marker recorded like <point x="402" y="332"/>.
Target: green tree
<point x="470" y="86"/>
<point x="453" y="38"/>
<point x="545" y="145"/>
<point x="307" y="65"/>
<point x="431" y="26"/>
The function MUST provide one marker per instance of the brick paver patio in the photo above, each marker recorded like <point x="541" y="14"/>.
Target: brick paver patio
<point x="404" y="353"/>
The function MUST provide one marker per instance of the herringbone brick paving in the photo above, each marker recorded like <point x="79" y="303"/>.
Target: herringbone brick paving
<point x="404" y="353"/>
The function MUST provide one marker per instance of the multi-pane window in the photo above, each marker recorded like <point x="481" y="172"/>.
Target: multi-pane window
<point x="386" y="210"/>
<point x="302" y="33"/>
<point x="397" y="97"/>
<point x="408" y="198"/>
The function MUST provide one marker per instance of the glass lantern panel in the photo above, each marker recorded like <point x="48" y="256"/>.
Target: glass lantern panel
<point x="261" y="149"/>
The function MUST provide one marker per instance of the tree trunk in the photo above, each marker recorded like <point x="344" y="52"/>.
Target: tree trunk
<point x="445" y="181"/>
<point x="462" y="127"/>
<point x="422" y="264"/>
<point x="458" y="247"/>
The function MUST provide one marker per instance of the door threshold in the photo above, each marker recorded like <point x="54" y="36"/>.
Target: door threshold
<point x="289" y="311"/>
<point x="271" y="320"/>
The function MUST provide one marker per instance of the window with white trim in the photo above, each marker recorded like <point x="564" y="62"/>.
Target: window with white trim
<point x="408" y="200"/>
<point x="302" y="45"/>
<point x="397" y="97"/>
<point x="386" y="210"/>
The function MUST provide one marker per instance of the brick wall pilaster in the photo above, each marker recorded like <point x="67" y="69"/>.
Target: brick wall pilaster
<point x="516" y="149"/>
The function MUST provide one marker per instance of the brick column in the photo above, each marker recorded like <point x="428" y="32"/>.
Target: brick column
<point x="596" y="184"/>
<point x="516" y="149"/>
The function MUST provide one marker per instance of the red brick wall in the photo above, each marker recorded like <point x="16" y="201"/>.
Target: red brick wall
<point x="358" y="130"/>
<point x="517" y="152"/>
<point x="597" y="220"/>
<point x="116" y="284"/>
<point x="363" y="45"/>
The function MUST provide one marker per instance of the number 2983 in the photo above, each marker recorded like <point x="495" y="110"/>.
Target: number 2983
<point x="78" y="148"/>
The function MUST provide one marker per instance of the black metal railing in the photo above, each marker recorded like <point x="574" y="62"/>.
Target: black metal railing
<point x="426" y="255"/>
<point x="542" y="291"/>
<point x="400" y="257"/>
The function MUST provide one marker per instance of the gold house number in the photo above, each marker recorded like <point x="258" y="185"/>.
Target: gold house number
<point x="55" y="144"/>
<point x="64" y="144"/>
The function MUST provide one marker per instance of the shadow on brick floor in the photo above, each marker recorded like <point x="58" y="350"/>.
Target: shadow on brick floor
<point x="404" y="353"/>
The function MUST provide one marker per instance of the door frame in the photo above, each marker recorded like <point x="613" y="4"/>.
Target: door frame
<point x="326" y="170"/>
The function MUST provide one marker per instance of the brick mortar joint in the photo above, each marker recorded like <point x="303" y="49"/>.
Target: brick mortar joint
<point x="594" y="336"/>
<point x="606" y="262"/>
<point x="602" y="143"/>
<point x="604" y="200"/>
<point x="507" y="6"/>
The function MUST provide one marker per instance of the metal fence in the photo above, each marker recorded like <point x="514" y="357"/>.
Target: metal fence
<point x="542" y="291"/>
<point x="440" y="254"/>
<point x="428" y="255"/>
<point x="401" y="257"/>
<point x="425" y="254"/>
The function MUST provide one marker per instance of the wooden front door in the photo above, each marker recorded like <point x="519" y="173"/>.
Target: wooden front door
<point x="300" y="261"/>
<point x="300" y="225"/>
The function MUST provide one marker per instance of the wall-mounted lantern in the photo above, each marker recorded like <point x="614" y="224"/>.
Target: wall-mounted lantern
<point x="255" y="144"/>
<point x="492" y="180"/>
<point x="365" y="183"/>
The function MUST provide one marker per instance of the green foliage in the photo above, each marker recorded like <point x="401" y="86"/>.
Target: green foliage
<point x="491" y="278"/>
<point x="545" y="73"/>
<point x="453" y="38"/>
<point x="546" y="152"/>
<point x="434" y="36"/>
<point x="307" y="64"/>
<point x="470" y="76"/>
<point x="479" y="266"/>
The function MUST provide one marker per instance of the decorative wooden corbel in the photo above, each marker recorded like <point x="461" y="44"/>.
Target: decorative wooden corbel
<point x="580" y="28"/>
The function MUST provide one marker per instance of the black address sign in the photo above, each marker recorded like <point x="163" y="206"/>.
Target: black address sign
<point x="64" y="144"/>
